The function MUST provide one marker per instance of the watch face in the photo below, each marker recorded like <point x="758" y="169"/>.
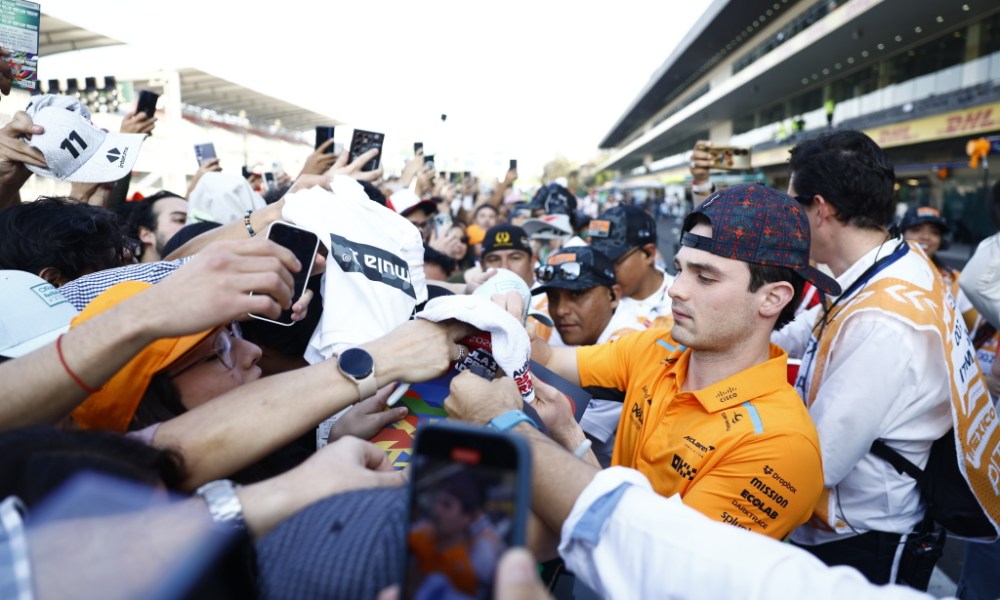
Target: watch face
<point x="356" y="362"/>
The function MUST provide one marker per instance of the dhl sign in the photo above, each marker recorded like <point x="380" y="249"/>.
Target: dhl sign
<point x="977" y="120"/>
<point x="971" y="121"/>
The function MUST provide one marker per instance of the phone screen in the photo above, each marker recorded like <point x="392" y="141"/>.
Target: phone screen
<point x="513" y="164"/>
<point x="204" y="152"/>
<point x="362" y="141"/>
<point x="303" y="245"/>
<point x="417" y="147"/>
<point x="730" y="157"/>
<point x="147" y="102"/>
<point x="469" y="500"/>
<point x="324" y="133"/>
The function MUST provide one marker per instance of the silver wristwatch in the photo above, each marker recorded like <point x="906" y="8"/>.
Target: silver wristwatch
<point x="223" y="503"/>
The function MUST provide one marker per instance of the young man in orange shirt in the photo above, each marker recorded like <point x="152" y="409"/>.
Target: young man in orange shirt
<point x="708" y="412"/>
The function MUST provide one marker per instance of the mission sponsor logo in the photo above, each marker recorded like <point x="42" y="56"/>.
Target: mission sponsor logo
<point x="761" y="503"/>
<point x="374" y="263"/>
<point x="781" y="480"/>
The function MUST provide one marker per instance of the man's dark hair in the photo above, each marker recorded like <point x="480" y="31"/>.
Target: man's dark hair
<point x="140" y="213"/>
<point x="447" y="263"/>
<point x="851" y="172"/>
<point x="58" y="232"/>
<point x="764" y="274"/>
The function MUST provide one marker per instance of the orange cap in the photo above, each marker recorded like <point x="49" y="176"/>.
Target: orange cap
<point x="113" y="407"/>
<point x="476" y="234"/>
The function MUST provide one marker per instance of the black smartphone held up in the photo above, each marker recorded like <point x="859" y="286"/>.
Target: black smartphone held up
<point x="429" y="160"/>
<point x="470" y="494"/>
<point x="362" y="141"/>
<point x="513" y="165"/>
<point x="204" y="152"/>
<point x="147" y="102"/>
<point x="418" y="147"/>
<point x="303" y="245"/>
<point x="324" y="133"/>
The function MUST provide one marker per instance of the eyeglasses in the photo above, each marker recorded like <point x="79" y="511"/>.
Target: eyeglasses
<point x="569" y="271"/>
<point x="222" y="349"/>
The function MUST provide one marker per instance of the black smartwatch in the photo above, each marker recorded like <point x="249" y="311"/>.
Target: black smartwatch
<point x="359" y="366"/>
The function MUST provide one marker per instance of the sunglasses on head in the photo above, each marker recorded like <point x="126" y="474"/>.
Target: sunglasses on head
<point x="569" y="271"/>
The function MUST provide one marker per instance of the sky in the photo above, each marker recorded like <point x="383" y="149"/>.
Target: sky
<point x="517" y="79"/>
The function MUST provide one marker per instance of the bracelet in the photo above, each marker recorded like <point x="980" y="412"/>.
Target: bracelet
<point x="581" y="450"/>
<point x="77" y="379"/>
<point x="246" y="222"/>
<point x="223" y="504"/>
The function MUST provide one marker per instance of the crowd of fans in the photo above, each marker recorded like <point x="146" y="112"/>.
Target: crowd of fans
<point x="127" y="350"/>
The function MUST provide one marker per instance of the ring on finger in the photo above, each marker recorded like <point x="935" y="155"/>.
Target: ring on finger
<point x="463" y="351"/>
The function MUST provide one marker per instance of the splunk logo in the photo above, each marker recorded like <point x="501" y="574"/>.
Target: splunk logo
<point x="374" y="263"/>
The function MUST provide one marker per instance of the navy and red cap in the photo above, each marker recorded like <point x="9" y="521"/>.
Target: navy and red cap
<point x="756" y="224"/>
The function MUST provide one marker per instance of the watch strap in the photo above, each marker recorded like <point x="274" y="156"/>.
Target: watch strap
<point x="223" y="504"/>
<point x="510" y="420"/>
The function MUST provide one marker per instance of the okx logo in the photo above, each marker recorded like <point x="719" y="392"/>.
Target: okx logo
<point x="114" y="154"/>
<point x="683" y="467"/>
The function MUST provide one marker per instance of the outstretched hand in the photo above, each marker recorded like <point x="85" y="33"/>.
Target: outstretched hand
<point x="214" y="287"/>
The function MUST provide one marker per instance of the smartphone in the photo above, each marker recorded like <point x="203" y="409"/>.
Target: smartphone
<point x="442" y="223"/>
<point x="269" y="181"/>
<point x="730" y="158"/>
<point x="204" y="152"/>
<point x="466" y="174"/>
<point x="362" y="141"/>
<point x="470" y="493"/>
<point x="455" y="177"/>
<point x="324" y="133"/>
<point x="147" y="102"/>
<point x="303" y="245"/>
<point x="417" y="147"/>
<point x="513" y="165"/>
<point x="429" y="160"/>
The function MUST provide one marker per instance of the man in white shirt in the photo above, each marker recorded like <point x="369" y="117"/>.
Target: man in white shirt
<point x="875" y="363"/>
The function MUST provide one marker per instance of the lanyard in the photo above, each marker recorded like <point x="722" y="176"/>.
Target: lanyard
<point x="879" y="266"/>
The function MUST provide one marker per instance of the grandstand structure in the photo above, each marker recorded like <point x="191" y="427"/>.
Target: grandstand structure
<point x="921" y="78"/>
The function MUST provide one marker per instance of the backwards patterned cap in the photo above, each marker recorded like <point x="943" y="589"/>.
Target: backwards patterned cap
<point x="756" y="224"/>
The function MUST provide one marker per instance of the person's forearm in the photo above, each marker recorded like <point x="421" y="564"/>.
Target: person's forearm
<point x="250" y="422"/>
<point x="237" y="230"/>
<point x="557" y="477"/>
<point x="37" y="388"/>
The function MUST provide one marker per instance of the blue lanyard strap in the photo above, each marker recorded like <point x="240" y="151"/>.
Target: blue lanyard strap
<point x="865" y="277"/>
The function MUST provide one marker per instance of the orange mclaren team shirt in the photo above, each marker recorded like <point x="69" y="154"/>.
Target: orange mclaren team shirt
<point x="743" y="451"/>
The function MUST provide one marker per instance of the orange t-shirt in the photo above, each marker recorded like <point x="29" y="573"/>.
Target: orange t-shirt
<point x="743" y="451"/>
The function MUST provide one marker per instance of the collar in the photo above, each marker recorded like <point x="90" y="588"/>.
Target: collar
<point x="862" y="264"/>
<point x="749" y="384"/>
